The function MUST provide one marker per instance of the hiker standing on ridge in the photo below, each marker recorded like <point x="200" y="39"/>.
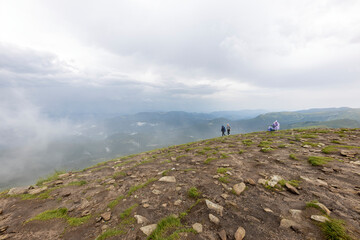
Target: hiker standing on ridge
<point x="223" y="130"/>
<point x="228" y="129"/>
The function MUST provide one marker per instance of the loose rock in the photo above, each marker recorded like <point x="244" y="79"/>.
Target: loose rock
<point x="274" y="180"/>
<point x="147" y="230"/>
<point x="213" y="206"/>
<point x="296" y="214"/>
<point x="197" y="227"/>
<point x="291" y="189"/>
<point x="106" y="216"/>
<point x="240" y="233"/>
<point x="177" y="202"/>
<point x="239" y="188"/>
<point x="222" y="234"/>
<point x="156" y="192"/>
<point x="214" y="219"/>
<point x="286" y="223"/>
<point x="140" y="219"/>
<point x="250" y="181"/>
<point x="18" y="190"/>
<point x="324" y="208"/>
<point x="3" y="228"/>
<point x="319" y="218"/>
<point x="170" y="179"/>
<point x="37" y="190"/>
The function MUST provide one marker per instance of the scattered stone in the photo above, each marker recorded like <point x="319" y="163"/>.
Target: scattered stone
<point x="170" y="179"/>
<point x="348" y="153"/>
<point x="140" y="219"/>
<point x="104" y="228"/>
<point x="146" y="205"/>
<point x="18" y="190"/>
<point x="253" y="219"/>
<point x="65" y="194"/>
<point x="296" y="214"/>
<point x="85" y="213"/>
<point x="178" y="189"/>
<point x="324" y="208"/>
<point x="177" y="202"/>
<point x="197" y="227"/>
<point x="3" y="228"/>
<point x="106" y="216"/>
<point x="222" y="234"/>
<point x="98" y="219"/>
<point x="268" y="210"/>
<point x="229" y="173"/>
<point x="214" y="219"/>
<point x="84" y="204"/>
<point x="37" y="190"/>
<point x="240" y="233"/>
<point x="227" y="188"/>
<point x="147" y="230"/>
<point x="291" y="189"/>
<point x="58" y="182"/>
<point x="274" y="180"/>
<point x="216" y="176"/>
<point x="250" y="181"/>
<point x="239" y="188"/>
<point x="321" y="183"/>
<point x="1" y="211"/>
<point x="327" y="170"/>
<point x="164" y="205"/>
<point x="262" y="181"/>
<point x="286" y="223"/>
<point x="224" y="196"/>
<point x="156" y="192"/>
<point x="306" y="146"/>
<point x="64" y="175"/>
<point x="213" y="206"/>
<point x="319" y="218"/>
<point x="231" y="203"/>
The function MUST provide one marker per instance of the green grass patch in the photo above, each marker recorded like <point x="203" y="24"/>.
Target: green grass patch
<point x="241" y="151"/>
<point x="247" y="142"/>
<point x="137" y="187"/>
<point x="126" y="213"/>
<point x="60" y="213"/>
<point x="78" y="183"/>
<point x="194" y="193"/>
<point x="209" y="160"/>
<point x="181" y="156"/>
<point x="319" y="161"/>
<point x="165" y="172"/>
<point x="264" y="144"/>
<point x="293" y="156"/>
<point x="329" y="150"/>
<point x="336" y="141"/>
<point x="223" y="156"/>
<point x="310" y="144"/>
<point x="266" y="149"/>
<point x="169" y="228"/>
<point x="110" y="233"/>
<point x="118" y="175"/>
<point x="294" y="183"/>
<point x="334" y="230"/>
<point x="123" y="163"/>
<point x="49" y="178"/>
<point x="223" y="170"/>
<point x="201" y="152"/>
<point x="224" y="179"/>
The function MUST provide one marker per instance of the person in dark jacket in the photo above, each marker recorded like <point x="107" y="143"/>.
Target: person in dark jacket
<point x="223" y="130"/>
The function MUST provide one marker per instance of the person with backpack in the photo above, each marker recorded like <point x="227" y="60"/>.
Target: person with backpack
<point x="228" y="129"/>
<point x="275" y="126"/>
<point x="223" y="130"/>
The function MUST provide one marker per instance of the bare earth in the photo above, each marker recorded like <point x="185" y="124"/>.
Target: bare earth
<point x="104" y="199"/>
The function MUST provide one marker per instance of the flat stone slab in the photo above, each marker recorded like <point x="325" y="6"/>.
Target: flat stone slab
<point x="147" y="230"/>
<point x="239" y="188"/>
<point x="319" y="218"/>
<point x="18" y="190"/>
<point x="213" y="206"/>
<point x="170" y="179"/>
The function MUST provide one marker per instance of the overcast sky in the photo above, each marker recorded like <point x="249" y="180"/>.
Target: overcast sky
<point x="71" y="56"/>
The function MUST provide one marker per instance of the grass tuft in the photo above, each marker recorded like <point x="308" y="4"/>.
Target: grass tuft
<point x="208" y="160"/>
<point x="293" y="156"/>
<point x="329" y="150"/>
<point x="335" y="230"/>
<point x="319" y="161"/>
<point x="194" y="193"/>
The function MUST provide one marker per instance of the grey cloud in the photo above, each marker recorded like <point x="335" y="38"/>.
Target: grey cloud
<point x="28" y="61"/>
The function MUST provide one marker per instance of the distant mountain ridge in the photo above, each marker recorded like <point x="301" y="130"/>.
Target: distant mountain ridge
<point x="135" y="133"/>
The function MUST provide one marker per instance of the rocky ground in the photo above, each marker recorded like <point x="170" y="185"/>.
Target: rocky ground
<point x="280" y="185"/>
